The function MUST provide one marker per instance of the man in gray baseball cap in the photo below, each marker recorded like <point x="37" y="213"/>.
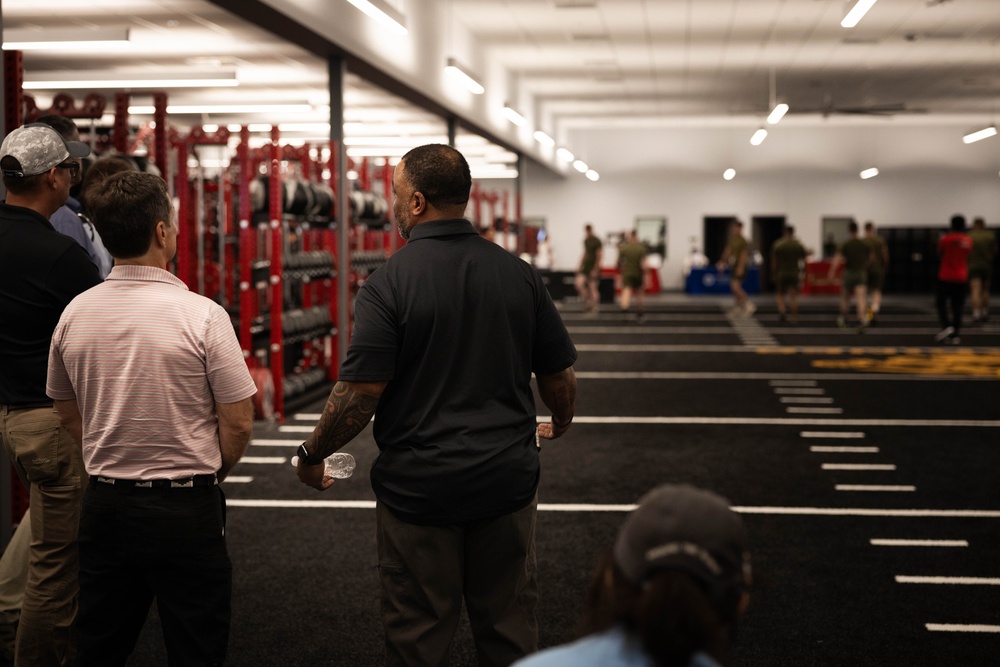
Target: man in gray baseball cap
<point x="37" y="148"/>
<point x="41" y="271"/>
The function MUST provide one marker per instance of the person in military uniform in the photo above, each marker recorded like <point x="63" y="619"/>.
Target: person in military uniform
<point x="737" y="257"/>
<point x="589" y="274"/>
<point x="876" y="270"/>
<point x="787" y="256"/>
<point x="984" y="249"/>
<point x="632" y="256"/>
<point x="856" y="257"/>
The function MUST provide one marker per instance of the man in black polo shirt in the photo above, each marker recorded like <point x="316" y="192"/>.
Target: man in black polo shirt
<point x="41" y="271"/>
<point x="447" y="335"/>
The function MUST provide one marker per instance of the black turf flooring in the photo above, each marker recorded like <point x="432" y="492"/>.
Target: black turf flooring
<point x="306" y="588"/>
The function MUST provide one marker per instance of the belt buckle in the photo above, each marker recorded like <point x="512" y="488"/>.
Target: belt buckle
<point x="144" y="484"/>
<point x="182" y="483"/>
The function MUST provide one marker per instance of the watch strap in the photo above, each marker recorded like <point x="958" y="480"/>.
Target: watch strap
<point x="305" y="457"/>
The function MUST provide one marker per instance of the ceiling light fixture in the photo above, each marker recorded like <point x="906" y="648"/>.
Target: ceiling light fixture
<point x="65" y="40"/>
<point x="729" y="174"/>
<point x="462" y="76"/>
<point x="580" y="166"/>
<point x="592" y="175"/>
<point x="383" y="13"/>
<point x="565" y="155"/>
<point x="984" y="133"/>
<point x="758" y="137"/>
<point x="869" y="173"/>
<point x="544" y="139"/>
<point x="513" y="116"/>
<point x="97" y="80"/>
<point x="857" y="12"/>
<point x="777" y="113"/>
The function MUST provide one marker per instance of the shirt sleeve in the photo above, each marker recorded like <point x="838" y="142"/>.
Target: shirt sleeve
<point x="57" y="385"/>
<point x="72" y="274"/>
<point x="375" y="341"/>
<point x="227" y="371"/>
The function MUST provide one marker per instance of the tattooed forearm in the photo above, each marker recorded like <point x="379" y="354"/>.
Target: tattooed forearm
<point x="558" y="392"/>
<point x="348" y="410"/>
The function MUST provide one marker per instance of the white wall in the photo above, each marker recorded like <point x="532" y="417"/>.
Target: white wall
<point x="906" y="193"/>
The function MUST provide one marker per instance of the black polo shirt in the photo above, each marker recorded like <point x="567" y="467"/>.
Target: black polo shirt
<point x="41" y="271"/>
<point x="456" y="325"/>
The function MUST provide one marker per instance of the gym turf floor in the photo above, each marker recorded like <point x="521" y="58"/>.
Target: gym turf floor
<point x="865" y="466"/>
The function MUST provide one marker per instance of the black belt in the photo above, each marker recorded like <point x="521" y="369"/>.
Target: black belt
<point x="30" y="406"/>
<point x="182" y="483"/>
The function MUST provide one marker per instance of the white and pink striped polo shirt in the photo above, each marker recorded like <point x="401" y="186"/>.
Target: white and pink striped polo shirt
<point x="146" y="360"/>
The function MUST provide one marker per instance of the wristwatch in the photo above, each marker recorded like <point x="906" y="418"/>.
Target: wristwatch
<point x="305" y="457"/>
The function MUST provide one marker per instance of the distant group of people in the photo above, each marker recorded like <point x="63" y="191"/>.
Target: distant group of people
<point x="632" y="254"/>
<point x="966" y="261"/>
<point x="865" y="260"/>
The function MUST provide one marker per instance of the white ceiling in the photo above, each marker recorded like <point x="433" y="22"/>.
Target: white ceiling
<point x="576" y="66"/>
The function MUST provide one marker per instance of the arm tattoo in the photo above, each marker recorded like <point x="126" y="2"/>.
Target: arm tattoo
<point x="347" y="412"/>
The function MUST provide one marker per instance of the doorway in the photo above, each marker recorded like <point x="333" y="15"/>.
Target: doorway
<point x="766" y="230"/>
<point x="715" y="232"/>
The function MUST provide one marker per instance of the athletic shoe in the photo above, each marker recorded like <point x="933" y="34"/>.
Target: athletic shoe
<point x="954" y="340"/>
<point x="947" y="332"/>
<point x="749" y="309"/>
<point x="841" y="323"/>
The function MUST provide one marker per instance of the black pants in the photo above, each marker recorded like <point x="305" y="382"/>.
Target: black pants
<point x="953" y="294"/>
<point x="139" y="544"/>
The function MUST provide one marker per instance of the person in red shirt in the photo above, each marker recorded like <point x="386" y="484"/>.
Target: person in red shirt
<point x="953" y="275"/>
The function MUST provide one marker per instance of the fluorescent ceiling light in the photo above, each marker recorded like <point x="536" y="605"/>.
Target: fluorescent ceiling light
<point x="65" y="40"/>
<point x="544" y="139"/>
<point x="592" y="175"/>
<point x="91" y="80"/>
<point x="580" y="166"/>
<point x="179" y="109"/>
<point x="777" y="113"/>
<point x="394" y="141"/>
<point x="513" y="116"/>
<point x="482" y="174"/>
<point x="565" y="155"/>
<point x="984" y="133"/>
<point x="729" y="174"/>
<point x="857" y="12"/>
<point x="869" y="173"/>
<point x="383" y="13"/>
<point x="758" y="137"/>
<point x="461" y="75"/>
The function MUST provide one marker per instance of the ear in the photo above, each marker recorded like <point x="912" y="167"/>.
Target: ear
<point x="418" y="204"/>
<point x="161" y="234"/>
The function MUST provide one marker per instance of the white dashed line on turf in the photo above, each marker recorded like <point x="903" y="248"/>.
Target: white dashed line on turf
<point x="957" y="627"/>
<point x="265" y="460"/>
<point x="831" y="434"/>
<point x="889" y="488"/>
<point x="237" y="479"/>
<point x="949" y="581"/>
<point x="793" y="383"/>
<point x="295" y="442"/>
<point x="806" y="400"/>
<point x="793" y="391"/>
<point x="858" y="466"/>
<point x="815" y="411"/>
<point x="820" y="449"/>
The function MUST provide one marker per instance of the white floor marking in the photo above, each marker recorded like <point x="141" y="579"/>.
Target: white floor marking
<point x="821" y="350"/>
<point x="307" y="416"/>
<point x="264" y="459"/>
<point x="858" y="466"/>
<point x="806" y="400"/>
<point x="846" y="435"/>
<point x="295" y="442"/>
<point x="292" y="428"/>
<point x="950" y="581"/>
<point x="665" y="375"/>
<point x="881" y="542"/>
<point x="815" y="411"/>
<point x="957" y="627"/>
<point x="792" y="391"/>
<point x="905" y="488"/>
<point x="547" y="507"/>
<point x="844" y="450"/>
<point x="236" y="479"/>
<point x="781" y="421"/>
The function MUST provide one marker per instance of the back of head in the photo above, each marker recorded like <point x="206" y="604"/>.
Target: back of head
<point x="126" y="210"/>
<point x="853" y="227"/>
<point x="676" y="577"/>
<point x="789" y="230"/>
<point x="958" y="223"/>
<point x="99" y="172"/>
<point x="978" y="223"/>
<point x="440" y="173"/>
<point x="64" y="126"/>
<point x="869" y="227"/>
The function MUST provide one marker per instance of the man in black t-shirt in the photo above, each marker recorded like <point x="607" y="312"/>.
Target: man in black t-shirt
<point x="447" y="336"/>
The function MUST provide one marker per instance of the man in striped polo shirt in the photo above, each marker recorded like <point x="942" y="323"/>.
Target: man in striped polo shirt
<point x="151" y="379"/>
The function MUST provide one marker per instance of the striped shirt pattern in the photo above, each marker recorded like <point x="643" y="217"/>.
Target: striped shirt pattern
<point x="146" y="360"/>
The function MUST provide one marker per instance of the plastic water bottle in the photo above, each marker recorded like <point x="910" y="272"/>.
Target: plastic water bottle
<point x="339" y="465"/>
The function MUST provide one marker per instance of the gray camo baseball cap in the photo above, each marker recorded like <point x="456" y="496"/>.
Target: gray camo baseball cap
<point x="36" y="148"/>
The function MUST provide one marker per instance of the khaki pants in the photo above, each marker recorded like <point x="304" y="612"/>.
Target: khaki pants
<point x="50" y="464"/>
<point x="426" y="571"/>
<point x="13" y="578"/>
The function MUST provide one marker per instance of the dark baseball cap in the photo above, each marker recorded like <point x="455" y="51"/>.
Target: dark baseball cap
<point x="684" y="528"/>
<point x="36" y="148"/>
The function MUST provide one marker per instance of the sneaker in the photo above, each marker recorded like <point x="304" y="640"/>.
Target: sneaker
<point x="749" y="309"/>
<point x="947" y="332"/>
<point x="954" y="340"/>
<point x="841" y="323"/>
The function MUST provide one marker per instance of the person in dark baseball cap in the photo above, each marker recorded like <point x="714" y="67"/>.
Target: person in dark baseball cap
<point x="671" y="590"/>
<point x="35" y="149"/>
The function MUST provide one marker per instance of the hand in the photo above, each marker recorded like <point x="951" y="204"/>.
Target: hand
<point x="551" y="431"/>
<point x="314" y="476"/>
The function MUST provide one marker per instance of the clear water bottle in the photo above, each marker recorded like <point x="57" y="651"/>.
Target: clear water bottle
<point x="339" y="465"/>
